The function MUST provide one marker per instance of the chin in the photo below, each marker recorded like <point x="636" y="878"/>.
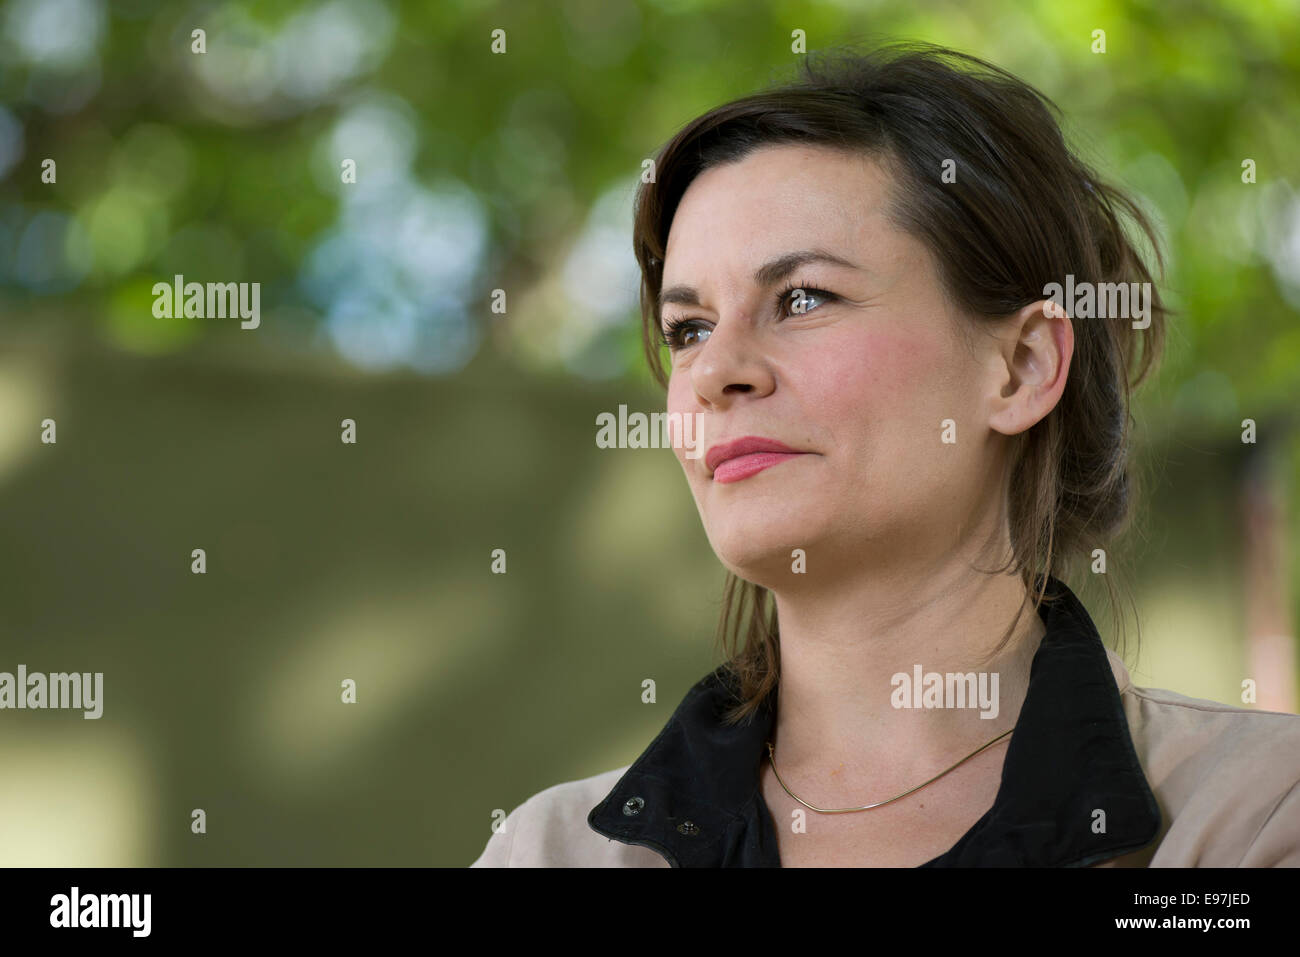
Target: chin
<point x="760" y="558"/>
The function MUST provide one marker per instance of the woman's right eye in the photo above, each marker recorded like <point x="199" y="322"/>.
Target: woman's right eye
<point x="675" y="333"/>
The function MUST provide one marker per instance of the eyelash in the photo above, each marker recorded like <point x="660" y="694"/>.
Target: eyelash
<point x="671" y="336"/>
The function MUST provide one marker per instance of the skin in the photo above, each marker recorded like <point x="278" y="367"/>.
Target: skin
<point x="891" y="518"/>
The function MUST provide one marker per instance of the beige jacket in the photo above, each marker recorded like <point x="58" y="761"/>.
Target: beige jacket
<point x="1184" y="782"/>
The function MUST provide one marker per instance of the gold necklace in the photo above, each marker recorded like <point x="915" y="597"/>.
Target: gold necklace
<point x="771" y="753"/>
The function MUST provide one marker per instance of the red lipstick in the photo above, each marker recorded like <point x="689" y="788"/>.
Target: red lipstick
<point x="739" y="459"/>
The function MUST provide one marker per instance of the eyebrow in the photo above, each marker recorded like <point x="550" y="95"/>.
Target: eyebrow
<point x="765" y="275"/>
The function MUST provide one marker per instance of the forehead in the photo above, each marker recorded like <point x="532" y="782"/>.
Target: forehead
<point x="775" y="199"/>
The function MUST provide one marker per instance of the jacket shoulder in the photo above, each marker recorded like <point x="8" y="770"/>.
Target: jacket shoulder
<point x="1227" y="779"/>
<point x="550" y="829"/>
<point x="1177" y="722"/>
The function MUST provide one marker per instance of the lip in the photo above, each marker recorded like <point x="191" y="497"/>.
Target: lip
<point x="757" y="451"/>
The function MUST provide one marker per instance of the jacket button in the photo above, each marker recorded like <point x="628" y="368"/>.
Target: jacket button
<point x="633" y="805"/>
<point x="688" y="827"/>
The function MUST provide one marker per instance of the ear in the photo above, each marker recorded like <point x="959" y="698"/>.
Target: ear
<point x="1033" y="361"/>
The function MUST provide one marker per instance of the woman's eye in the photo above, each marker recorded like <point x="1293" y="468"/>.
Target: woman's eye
<point x="802" y="300"/>
<point x="689" y="330"/>
<point x="675" y="335"/>
<point x="684" y="333"/>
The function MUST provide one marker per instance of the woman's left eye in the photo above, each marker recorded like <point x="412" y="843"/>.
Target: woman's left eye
<point x="798" y="299"/>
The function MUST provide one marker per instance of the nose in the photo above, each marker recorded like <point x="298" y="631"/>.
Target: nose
<point x="731" y="362"/>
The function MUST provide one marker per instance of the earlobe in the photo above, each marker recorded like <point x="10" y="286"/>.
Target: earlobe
<point x="1037" y="354"/>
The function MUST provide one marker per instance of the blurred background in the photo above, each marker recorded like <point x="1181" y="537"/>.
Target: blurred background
<point x="478" y="171"/>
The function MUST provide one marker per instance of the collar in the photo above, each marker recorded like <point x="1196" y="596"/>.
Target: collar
<point x="693" y="795"/>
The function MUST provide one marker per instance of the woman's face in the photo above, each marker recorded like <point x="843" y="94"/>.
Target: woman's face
<point x="859" y="373"/>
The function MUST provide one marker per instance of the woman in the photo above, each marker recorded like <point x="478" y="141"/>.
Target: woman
<point x="912" y="435"/>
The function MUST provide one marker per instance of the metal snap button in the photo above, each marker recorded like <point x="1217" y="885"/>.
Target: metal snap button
<point x="633" y="805"/>
<point x="688" y="827"/>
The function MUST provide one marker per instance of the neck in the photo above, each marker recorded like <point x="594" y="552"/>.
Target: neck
<point x="843" y="642"/>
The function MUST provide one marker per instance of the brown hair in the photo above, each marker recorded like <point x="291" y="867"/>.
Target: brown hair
<point x="1023" y="212"/>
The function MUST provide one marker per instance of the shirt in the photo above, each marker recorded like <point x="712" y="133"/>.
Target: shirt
<point x="1098" y="772"/>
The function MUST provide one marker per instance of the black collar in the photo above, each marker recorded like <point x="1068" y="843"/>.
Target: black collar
<point x="693" y="795"/>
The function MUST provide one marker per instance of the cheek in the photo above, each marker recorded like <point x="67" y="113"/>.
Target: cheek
<point x="883" y="400"/>
<point x="680" y="399"/>
<point x="677" y="400"/>
<point x="888" y="382"/>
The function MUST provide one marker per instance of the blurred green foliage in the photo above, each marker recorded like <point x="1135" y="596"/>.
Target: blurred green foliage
<point x="226" y="163"/>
